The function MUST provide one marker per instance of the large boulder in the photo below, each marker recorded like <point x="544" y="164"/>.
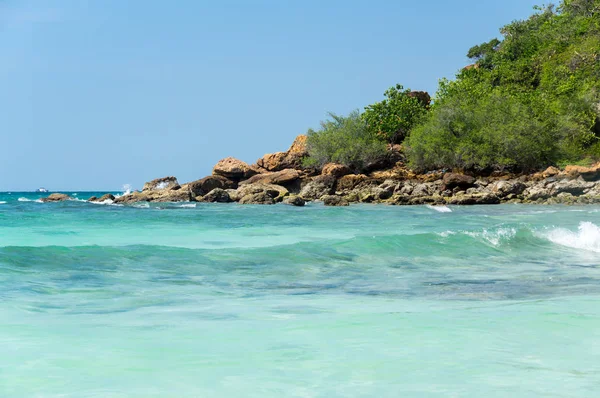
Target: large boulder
<point x="259" y="198"/>
<point x="294" y="200"/>
<point x="455" y="180"/>
<point x="351" y="181"/>
<point x="504" y="188"/>
<point x="318" y="187"/>
<point x="574" y="187"/>
<point x="56" y="197"/>
<point x="233" y="169"/>
<point x="217" y="195"/>
<point x="204" y="185"/>
<point x="290" y="159"/>
<point x="335" y="169"/>
<point x="160" y="184"/>
<point x="275" y="192"/>
<point x="283" y="177"/>
<point x="334" y="200"/>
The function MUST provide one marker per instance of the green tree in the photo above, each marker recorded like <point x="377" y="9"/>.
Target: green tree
<point x="393" y="118"/>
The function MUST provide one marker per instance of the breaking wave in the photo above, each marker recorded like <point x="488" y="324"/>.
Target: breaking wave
<point x="587" y="237"/>
<point x="441" y="209"/>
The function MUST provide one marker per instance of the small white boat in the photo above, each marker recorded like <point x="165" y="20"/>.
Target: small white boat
<point x="41" y="190"/>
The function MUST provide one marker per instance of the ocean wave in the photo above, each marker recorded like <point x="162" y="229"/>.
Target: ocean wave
<point x="495" y="237"/>
<point x="29" y="200"/>
<point x="2" y="202"/>
<point x="587" y="237"/>
<point x="441" y="209"/>
<point x="188" y="205"/>
<point x="142" y="205"/>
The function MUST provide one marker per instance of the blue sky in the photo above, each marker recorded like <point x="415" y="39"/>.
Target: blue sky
<point x="97" y="94"/>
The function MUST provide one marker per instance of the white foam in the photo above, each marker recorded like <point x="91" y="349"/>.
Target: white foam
<point x="587" y="237"/>
<point x="142" y="205"/>
<point x="190" y="205"/>
<point x="441" y="209"/>
<point x="2" y="202"/>
<point x="496" y="236"/>
<point x="127" y="188"/>
<point x="24" y="200"/>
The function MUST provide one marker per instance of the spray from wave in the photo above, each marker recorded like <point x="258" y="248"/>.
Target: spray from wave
<point x="2" y="202"/>
<point x="587" y="237"/>
<point x="441" y="209"/>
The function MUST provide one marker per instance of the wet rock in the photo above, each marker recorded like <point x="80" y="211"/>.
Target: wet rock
<point x="474" y="199"/>
<point x="334" y="200"/>
<point x="104" y="198"/>
<point x="259" y="198"/>
<point x="294" y="200"/>
<point x="56" y="197"/>
<point x="275" y="192"/>
<point x="164" y="195"/>
<point x="160" y="184"/>
<point x="218" y="195"/>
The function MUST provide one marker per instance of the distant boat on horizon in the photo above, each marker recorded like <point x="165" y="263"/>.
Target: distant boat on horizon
<point x="41" y="190"/>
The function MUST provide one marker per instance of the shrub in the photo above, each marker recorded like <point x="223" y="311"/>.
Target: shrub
<point x="344" y="140"/>
<point x="393" y="118"/>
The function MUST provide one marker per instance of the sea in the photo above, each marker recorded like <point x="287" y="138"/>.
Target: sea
<point x="227" y="300"/>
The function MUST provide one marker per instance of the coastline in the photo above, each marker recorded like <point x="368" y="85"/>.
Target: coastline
<point x="281" y="177"/>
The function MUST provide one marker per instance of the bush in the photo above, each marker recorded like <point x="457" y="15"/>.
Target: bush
<point x="393" y="118"/>
<point x="496" y="132"/>
<point x="344" y="140"/>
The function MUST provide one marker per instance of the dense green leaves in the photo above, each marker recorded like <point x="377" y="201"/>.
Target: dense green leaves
<point x="344" y="140"/>
<point x="394" y="117"/>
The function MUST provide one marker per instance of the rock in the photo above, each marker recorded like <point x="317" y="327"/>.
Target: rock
<point x="290" y="159"/>
<point x="574" y="187"/>
<point x="536" y="192"/>
<point x="335" y="169"/>
<point x="318" y="187"/>
<point x="233" y="169"/>
<point x="275" y="192"/>
<point x="453" y="180"/>
<point x="505" y="188"/>
<point x="165" y="195"/>
<point x="422" y="189"/>
<point x="217" y="195"/>
<point x="334" y="200"/>
<point x="351" y="181"/>
<point x="259" y="198"/>
<point x="103" y="198"/>
<point x="294" y="200"/>
<point x="160" y="184"/>
<point x="205" y="185"/>
<point x="587" y="173"/>
<point x="283" y="177"/>
<point x="56" y="197"/>
<point x="474" y="199"/>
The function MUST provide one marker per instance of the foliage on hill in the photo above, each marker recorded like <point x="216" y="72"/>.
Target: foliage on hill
<point x="345" y="140"/>
<point x="528" y="101"/>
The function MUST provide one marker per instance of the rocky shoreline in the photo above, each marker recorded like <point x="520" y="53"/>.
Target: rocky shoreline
<point x="281" y="177"/>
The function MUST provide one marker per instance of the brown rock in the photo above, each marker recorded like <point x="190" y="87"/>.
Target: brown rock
<point x="454" y="180"/>
<point x="181" y="195"/>
<point x="204" y="185"/>
<point x="161" y="184"/>
<point x="317" y="187"/>
<point x="587" y="173"/>
<point x="233" y="169"/>
<point x="56" y="197"/>
<point x="259" y="198"/>
<point x="282" y="177"/>
<point x="336" y="170"/>
<point x="217" y="195"/>
<point x="294" y="200"/>
<point x="350" y="181"/>
<point x="290" y="159"/>
<point x="275" y="192"/>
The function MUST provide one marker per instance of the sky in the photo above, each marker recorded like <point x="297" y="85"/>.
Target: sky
<point x="98" y="94"/>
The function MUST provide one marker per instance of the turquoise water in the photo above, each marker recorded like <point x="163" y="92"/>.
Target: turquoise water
<point x="223" y="300"/>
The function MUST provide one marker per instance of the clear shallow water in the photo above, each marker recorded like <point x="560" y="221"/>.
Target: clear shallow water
<point x="259" y="301"/>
